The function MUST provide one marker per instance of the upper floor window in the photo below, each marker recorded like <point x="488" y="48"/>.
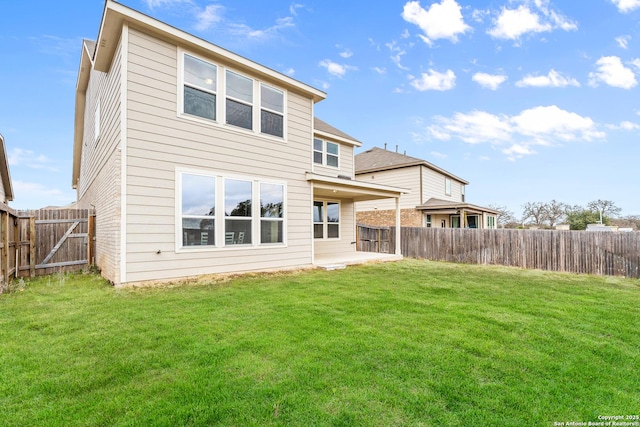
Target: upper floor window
<point x="200" y="85"/>
<point x="244" y="102"/>
<point x="271" y="110"/>
<point x="462" y="190"/>
<point x="326" y="153"/>
<point x="447" y="186"/>
<point x="239" y="103"/>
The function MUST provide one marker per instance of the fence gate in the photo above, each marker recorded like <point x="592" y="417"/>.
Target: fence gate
<point x="54" y="240"/>
<point x="375" y="239"/>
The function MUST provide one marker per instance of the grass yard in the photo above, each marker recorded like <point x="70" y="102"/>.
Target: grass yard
<point x="412" y="343"/>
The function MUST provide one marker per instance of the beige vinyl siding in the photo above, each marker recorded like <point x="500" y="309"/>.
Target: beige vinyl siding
<point x="347" y="234"/>
<point x="99" y="182"/>
<point x="402" y="178"/>
<point x="159" y="141"/>
<point x="433" y="185"/>
<point x="2" y="193"/>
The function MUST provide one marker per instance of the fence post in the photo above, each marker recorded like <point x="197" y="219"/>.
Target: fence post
<point x="5" y="247"/>
<point x="32" y="246"/>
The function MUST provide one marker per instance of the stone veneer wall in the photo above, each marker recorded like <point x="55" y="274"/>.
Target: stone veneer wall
<point x="408" y="218"/>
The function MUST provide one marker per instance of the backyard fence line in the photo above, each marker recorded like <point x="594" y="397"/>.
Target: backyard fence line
<point x="44" y="241"/>
<point x="593" y="252"/>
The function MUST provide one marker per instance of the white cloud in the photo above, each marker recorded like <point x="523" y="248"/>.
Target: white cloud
<point x="152" y="4"/>
<point x="335" y="69"/>
<point x="290" y="71"/>
<point x="626" y="6"/>
<point x="553" y="79"/>
<point x="623" y="41"/>
<point x="397" y="54"/>
<point x="434" y="80"/>
<point x="380" y="70"/>
<point x="28" y="158"/>
<point x="293" y="9"/>
<point x="346" y="54"/>
<point x="612" y="72"/>
<point x="442" y="21"/>
<point x="242" y="30"/>
<point x="517" y="151"/>
<point x="548" y="123"/>
<point x="636" y="63"/>
<point x="31" y="195"/>
<point x="511" y="24"/>
<point x="626" y="125"/>
<point x="538" y="126"/>
<point x="438" y="155"/>
<point x="473" y="128"/>
<point x="489" y="81"/>
<point x="209" y="16"/>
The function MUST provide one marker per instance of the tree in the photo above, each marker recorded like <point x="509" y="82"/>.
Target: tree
<point x="604" y="208"/>
<point x="578" y="218"/>
<point x="556" y="212"/>
<point x="629" y="221"/>
<point x="536" y="211"/>
<point x="504" y="216"/>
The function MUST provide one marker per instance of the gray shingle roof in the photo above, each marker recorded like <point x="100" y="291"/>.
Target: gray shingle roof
<point x="325" y="127"/>
<point x="378" y="159"/>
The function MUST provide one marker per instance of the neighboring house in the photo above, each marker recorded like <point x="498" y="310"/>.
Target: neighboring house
<point x="436" y="198"/>
<point x="6" y="189"/>
<point x="200" y="161"/>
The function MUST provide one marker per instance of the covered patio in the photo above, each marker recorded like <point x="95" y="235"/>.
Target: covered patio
<point x="339" y="252"/>
<point x="456" y="214"/>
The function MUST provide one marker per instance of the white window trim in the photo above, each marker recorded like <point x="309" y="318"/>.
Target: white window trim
<point x="447" y="186"/>
<point x="325" y="153"/>
<point x="221" y="97"/>
<point x="325" y="222"/>
<point x="219" y="226"/>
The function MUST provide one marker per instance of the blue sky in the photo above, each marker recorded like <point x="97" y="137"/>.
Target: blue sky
<point x="528" y="100"/>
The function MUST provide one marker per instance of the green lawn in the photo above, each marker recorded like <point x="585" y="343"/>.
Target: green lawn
<point x="413" y="343"/>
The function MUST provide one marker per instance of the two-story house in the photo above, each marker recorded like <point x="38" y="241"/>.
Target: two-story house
<point x="436" y="199"/>
<point x="200" y="161"/>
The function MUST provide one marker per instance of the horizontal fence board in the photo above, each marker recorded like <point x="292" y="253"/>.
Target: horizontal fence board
<point x="584" y="252"/>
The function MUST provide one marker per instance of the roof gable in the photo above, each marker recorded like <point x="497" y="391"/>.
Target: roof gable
<point x="378" y="159"/>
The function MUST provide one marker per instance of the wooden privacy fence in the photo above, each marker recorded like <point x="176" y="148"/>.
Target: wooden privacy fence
<point x="373" y="239"/>
<point x="584" y="252"/>
<point x="45" y="241"/>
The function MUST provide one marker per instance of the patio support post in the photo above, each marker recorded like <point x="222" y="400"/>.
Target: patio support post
<point x="398" y="225"/>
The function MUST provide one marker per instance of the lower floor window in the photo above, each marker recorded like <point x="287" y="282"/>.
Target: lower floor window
<point x="326" y="220"/>
<point x="491" y="222"/>
<point x="240" y="221"/>
<point x="470" y="221"/>
<point x="427" y="221"/>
